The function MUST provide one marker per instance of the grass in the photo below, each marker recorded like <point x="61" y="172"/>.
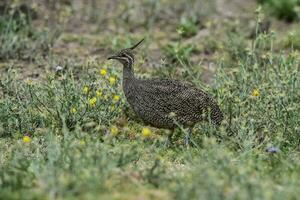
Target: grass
<point x="71" y="135"/>
<point x="286" y="10"/>
<point x="19" y="39"/>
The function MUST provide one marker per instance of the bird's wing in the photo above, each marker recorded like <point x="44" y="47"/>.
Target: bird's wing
<point x="164" y="86"/>
<point x="173" y="95"/>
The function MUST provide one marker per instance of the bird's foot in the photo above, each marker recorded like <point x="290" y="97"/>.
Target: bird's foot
<point x="187" y="140"/>
<point x="168" y="141"/>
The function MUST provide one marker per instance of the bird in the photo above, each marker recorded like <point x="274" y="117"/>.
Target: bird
<point x="165" y="103"/>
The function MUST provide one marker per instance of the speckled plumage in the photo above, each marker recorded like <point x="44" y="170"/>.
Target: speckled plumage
<point x="159" y="102"/>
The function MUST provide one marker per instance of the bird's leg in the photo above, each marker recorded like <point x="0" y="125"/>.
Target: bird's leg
<point x="187" y="137"/>
<point x="168" y="141"/>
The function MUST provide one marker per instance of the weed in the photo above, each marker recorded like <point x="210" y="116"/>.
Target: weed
<point x="178" y="52"/>
<point x="188" y="27"/>
<point x="283" y="9"/>
<point x="19" y="39"/>
<point x="59" y="100"/>
<point x="292" y="40"/>
<point x="64" y="135"/>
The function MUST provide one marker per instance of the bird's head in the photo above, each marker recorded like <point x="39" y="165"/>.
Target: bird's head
<point x="126" y="56"/>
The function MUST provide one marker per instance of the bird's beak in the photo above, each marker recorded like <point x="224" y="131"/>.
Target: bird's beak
<point x="112" y="57"/>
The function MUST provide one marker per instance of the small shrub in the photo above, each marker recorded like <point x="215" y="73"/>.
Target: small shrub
<point x="283" y="9"/>
<point x="188" y="27"/>
<point x="19" y="39"/>
<point x="178" y="52"/>
<point x="292" y="40"/>
<point x="58" y="102"/>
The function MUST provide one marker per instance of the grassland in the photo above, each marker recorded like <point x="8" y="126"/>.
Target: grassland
<point x="67" y="132"/>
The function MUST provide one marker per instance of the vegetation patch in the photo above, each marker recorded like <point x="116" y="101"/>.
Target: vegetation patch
<point x="70" y="133"/>
<point x="287" y="10"/>
<point x="19" y="38"/>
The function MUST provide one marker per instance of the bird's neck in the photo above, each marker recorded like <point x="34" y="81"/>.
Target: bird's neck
<point x="128" y="82"/>
<point x="128" y="73"/>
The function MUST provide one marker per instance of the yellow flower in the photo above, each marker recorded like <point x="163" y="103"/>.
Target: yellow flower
<point x="116" y="98"/>
<point x="112" y="108"/>
<point x="99" y="93"/>
<point x="255" y="93"/>
<point x="172" y="114"/>
<point x="82" y="142"/>
<point x="29" y="82"/>
<point x="85" y="89"/>
<point x="92" y="101"/>
<point x="103" y="72"/>
<point x="180" y="31"/>
<point x="105" y="97"/>
<point x="146" y="132"/>
<point x="73" y="110"/>
<point x="26" y="139"/>
<point x="112" y="80"/>
<point x="264" y="56"/>
<point x="114" y="130"/>
<point x="209" y="23"/>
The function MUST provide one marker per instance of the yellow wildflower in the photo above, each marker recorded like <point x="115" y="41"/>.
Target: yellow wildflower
<point x="106" y="97"/>
<point x="26" y="139"/>
<point x="114" y="130"/>
<point x="180" y="31"/>
<point x="255" y="93"/>
<point x="258" y="10"/>
<point x="172" y="114"/>
<point x="264" y="56"/>
<point x="146" y="132"/>
<point x="116" y="98"/>
<point x="73" y="110"/>
<point x="112" y="108"/>
<point x="209" y="23"/>
<point x="82" y="142"/>
<point x="291" y="34"/>
<point x="112" y="80"/>
<point x="103" y="72"/>
<point x="85" y="89"/>
<point x="98" y="93"/>
<point x="92" y="101"/>
<point x="29" y="82"/>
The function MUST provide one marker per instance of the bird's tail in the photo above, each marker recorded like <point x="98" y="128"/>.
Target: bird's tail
<point x="216" y="115"/>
